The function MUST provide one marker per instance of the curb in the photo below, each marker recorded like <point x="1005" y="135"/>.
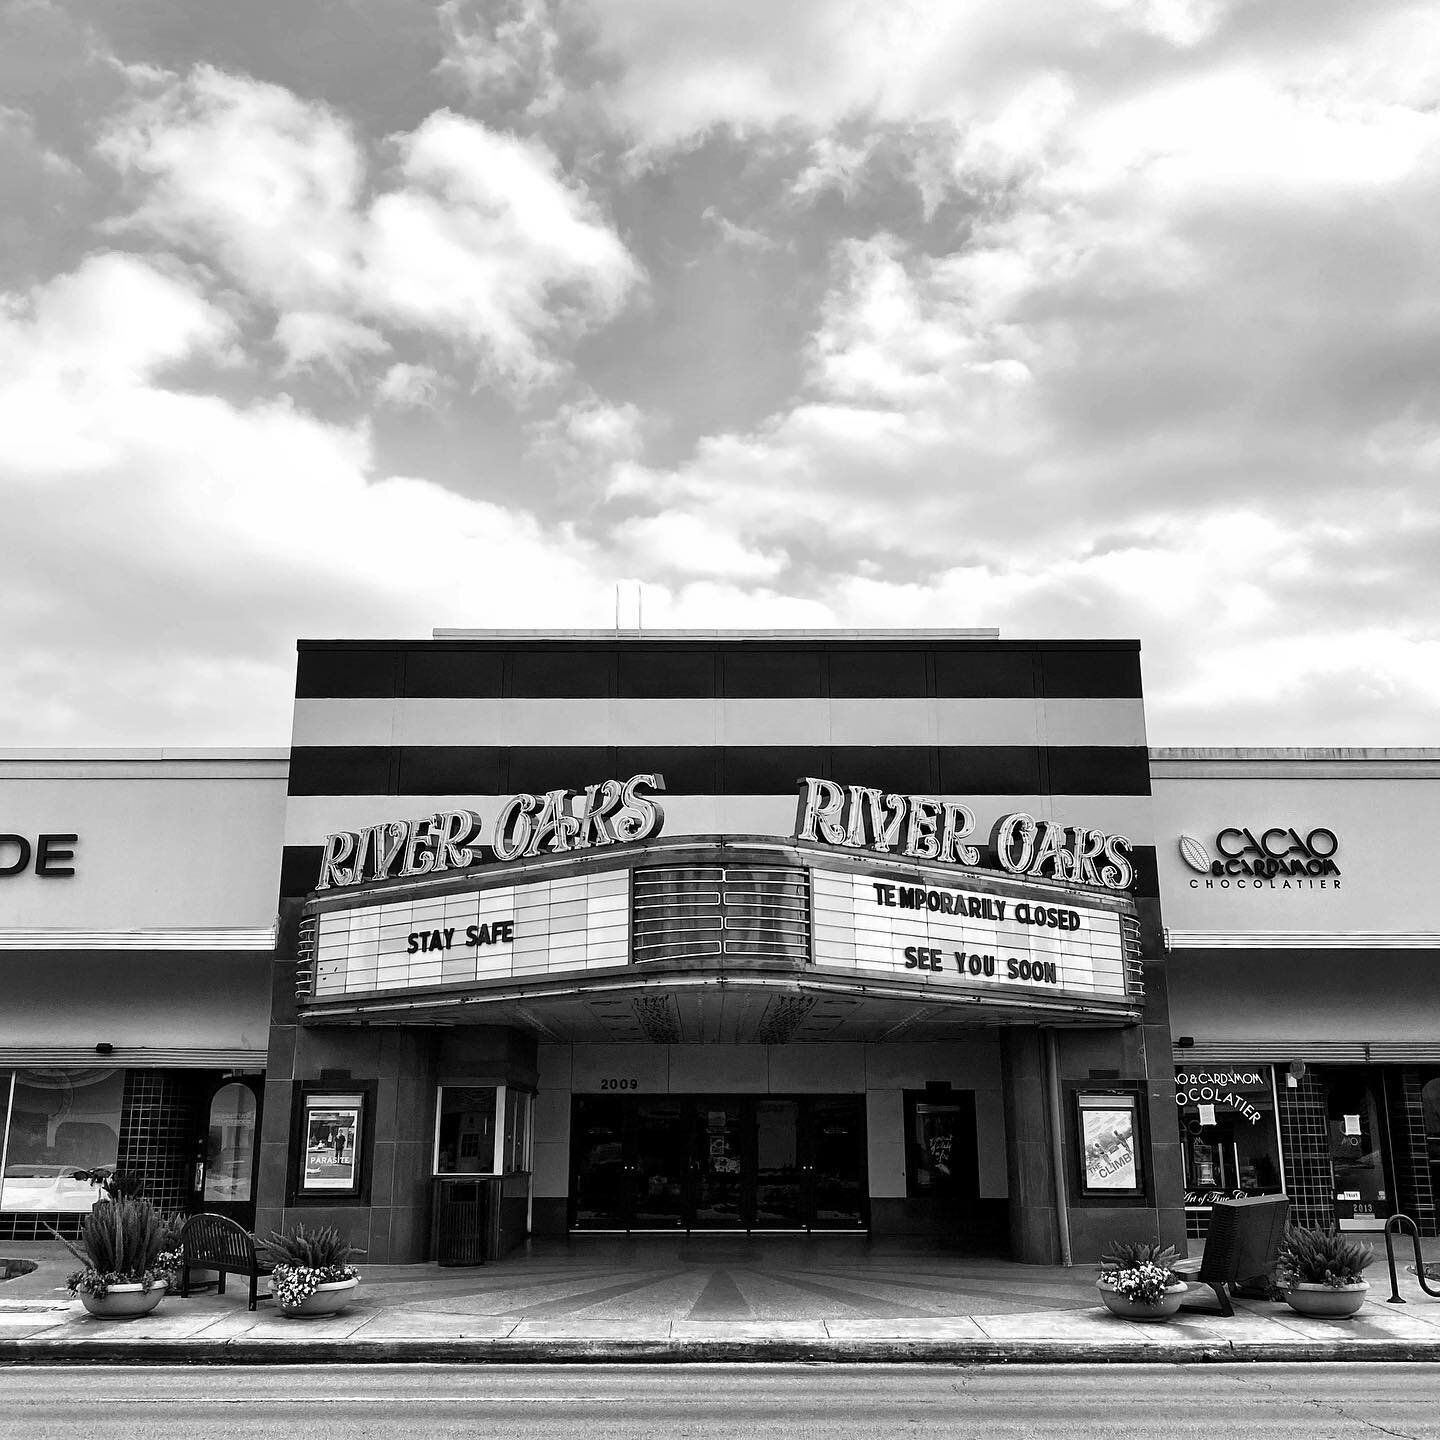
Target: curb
<point x="671" y="1352"/>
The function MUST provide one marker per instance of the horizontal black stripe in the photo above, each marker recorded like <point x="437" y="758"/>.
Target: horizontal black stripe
<point x="635" y="669"/>
<point x="301" y="869"/>
<point x="720" y="769"/>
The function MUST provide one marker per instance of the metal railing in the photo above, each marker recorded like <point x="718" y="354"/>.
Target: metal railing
<point x="1414" y="1233"/>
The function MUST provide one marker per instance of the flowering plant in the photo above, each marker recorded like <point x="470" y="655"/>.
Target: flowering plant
<point x="307" y="1259"/>
<point x="1145" y="1284"/>
<point x="295" y="1284"/>
<point x="98" y="1283"/>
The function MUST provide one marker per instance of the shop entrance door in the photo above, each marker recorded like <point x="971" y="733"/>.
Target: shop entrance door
<point x="226" y="1175"/>
<point x="708" y="1162"/>
<point x="810" y="1171"/>
<point x="1357" y="1148"/>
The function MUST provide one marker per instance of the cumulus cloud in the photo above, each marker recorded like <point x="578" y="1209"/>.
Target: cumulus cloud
<point x="202" y="535"/>
<point x="75" y="349"/>
<point x="474" y="237"/>
<point x="410" y="387"/>
<point x="503" y="52"/>
<point x="311" y="338"/>
<point x="689" y="546"/>
<point x="1169" y="378"/>
<point x="1105" y="319"/>
<point x="588" y="435"/>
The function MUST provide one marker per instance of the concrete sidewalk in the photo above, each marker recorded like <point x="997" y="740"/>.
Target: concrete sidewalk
<point x="703" y="1299"/>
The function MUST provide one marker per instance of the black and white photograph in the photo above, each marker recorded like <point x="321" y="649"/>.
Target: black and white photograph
<point x="720" y="719"/>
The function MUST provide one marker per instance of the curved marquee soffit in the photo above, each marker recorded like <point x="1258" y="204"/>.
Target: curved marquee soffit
<point x="752" y="913"/>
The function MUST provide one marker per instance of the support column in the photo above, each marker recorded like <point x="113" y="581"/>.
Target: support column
<point x="1034" y="1228"/>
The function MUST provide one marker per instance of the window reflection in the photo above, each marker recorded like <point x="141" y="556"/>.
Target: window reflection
<point x="61" y="1121"/>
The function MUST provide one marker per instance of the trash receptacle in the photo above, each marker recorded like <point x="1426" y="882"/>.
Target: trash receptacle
<point x="462" y="1220"/>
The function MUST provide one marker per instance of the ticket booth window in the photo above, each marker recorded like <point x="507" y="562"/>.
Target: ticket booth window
<point x="482" y="1130"/>
<point x="465" y="1130"/>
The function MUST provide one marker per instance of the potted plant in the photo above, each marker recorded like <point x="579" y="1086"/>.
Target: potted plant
<point x="312" y="1274"/>
<point x="1319" y="1271"/>
<point x="1136" y="1280"/>
<point x="128" y="1251"/>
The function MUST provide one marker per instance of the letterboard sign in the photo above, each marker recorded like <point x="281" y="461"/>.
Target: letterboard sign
<point x="501" y="933"/>
<point x="965" y="940"/>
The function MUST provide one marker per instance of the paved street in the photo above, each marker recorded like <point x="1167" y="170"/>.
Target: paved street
<point x="1098" y="1402"/>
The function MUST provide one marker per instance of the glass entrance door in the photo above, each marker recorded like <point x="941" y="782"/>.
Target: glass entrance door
<point x="232" y="1130"/>
<point x="1357" y="1148"/>
<point x="599" y="1173"/>
<point x="781" y="1189"/>
<point x="659" y="1150"/>
<point x="722" y="1164"/>
<point x="708" y="1162"/>
<point x="837" y="1162"/>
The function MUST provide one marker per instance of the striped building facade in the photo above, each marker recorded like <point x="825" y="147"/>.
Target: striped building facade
<point x="733" y="1082"/>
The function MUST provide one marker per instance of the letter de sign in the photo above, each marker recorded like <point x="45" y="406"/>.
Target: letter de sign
<point x="52" y="855"/>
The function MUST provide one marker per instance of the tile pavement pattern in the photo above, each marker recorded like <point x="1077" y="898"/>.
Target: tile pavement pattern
<point x="671" y="1293"/>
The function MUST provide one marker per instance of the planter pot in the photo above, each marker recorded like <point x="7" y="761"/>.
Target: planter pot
<point x="123" y="1302"/>
<point x="327" y="1299"/>
<point x="1128" y="1309"/>
<point x="1327" y="1301"/>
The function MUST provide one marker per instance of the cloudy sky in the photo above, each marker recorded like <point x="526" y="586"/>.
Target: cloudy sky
<point x="1070" y="317"/>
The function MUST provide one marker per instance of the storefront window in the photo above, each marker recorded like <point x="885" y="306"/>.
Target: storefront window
<point x="1227" y="1133"/>
<point x="61" y="1121"/>
<point x="1430" y="1107"/>
<point x="465" y="1130"/>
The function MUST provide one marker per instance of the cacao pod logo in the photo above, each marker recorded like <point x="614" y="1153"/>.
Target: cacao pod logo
<point x="1195" y="855"/>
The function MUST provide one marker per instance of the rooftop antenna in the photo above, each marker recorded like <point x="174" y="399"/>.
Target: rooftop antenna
<point x="617" y="608"/>
<point x="639" y="607"/>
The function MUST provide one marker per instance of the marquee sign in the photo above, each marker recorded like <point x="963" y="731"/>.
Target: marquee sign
<point x="858" y="817"/>
<point x="527" y="825"/>
<point x="965" y="941"/>
<point x="507" y="932"/>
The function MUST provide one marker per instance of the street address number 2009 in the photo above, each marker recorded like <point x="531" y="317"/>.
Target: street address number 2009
<point x="614" y="1084"/>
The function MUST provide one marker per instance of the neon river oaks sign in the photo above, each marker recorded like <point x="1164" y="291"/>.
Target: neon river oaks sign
<point x="606" y="813"/>
<point x="924" y="828"/>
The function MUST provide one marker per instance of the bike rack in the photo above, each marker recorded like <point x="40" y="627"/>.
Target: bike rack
<point x="1414" y="1234"/>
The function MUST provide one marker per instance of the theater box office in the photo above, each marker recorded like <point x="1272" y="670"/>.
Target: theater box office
<point x="137" y="929"/>
<point x="1304" y="989"/>
<point x="752" y="932"/>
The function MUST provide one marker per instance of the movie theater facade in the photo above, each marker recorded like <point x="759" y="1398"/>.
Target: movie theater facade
<point x="753" y="932"/>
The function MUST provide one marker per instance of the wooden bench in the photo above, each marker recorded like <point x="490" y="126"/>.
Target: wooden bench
<point x="1242" y="1244"/>
<point x="213" y="1242"/>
